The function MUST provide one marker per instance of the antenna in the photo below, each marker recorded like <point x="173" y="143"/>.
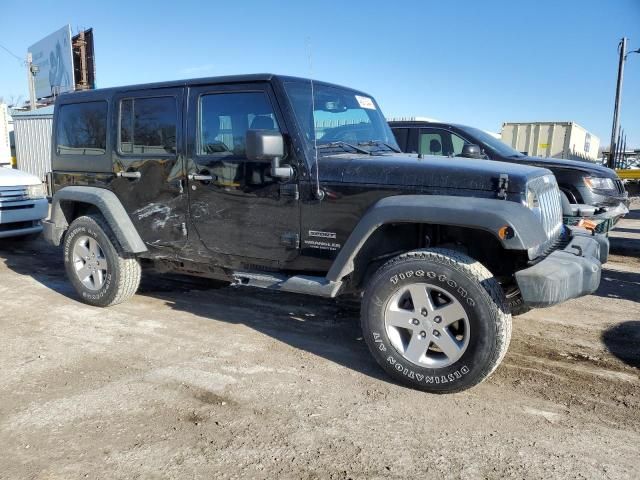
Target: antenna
<point x="318" y="193"/>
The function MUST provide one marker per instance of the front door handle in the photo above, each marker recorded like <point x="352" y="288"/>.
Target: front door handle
<point x="129" y="174"/>
<point x="200" y="178"/>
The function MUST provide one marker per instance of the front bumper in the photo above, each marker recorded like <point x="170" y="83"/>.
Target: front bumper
<point x="568" y="273"/>
<point x="605" y="221"/>
<point x="22" y="217"/>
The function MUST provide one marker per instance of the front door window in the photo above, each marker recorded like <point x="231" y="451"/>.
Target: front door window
<point x="224" y="119"/>
<point x="434" y="141"/>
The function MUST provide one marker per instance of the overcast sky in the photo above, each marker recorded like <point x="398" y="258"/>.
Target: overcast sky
<point x="475" y="62"/>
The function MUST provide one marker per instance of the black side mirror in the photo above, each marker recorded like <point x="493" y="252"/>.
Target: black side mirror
<point x="470" y="150"/>
<point x="267" y="146"/>
<point x="264" y="145"/>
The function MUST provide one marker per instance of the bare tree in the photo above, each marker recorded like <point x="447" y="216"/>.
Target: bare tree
<point x="12" y="100"/>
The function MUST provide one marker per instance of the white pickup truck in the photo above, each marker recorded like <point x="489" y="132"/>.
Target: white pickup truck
<point x="22" y="203"/>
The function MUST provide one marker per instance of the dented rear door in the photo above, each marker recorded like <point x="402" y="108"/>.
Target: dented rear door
<point x="148" y="163"/>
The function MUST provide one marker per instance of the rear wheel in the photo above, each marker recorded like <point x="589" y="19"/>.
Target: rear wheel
<point x="100" y="272"/>
<point x="436" y="320"/>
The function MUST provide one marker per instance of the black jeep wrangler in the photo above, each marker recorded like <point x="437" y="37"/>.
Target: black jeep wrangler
<point x="238" y="178"/>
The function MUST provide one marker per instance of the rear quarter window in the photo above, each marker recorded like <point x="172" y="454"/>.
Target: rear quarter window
<point x="82" y="129"/>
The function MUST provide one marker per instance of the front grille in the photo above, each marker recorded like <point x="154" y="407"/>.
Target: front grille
<point x="13" y="194"/>
<point x="549" y="209"/>
<point x="619" y="186"/>
<point x="548" y="194"/>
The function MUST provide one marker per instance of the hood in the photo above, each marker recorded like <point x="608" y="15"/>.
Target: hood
<point x="13" y="178"/>
<point x="592" y="169"/>
<point x="428" y="171"/>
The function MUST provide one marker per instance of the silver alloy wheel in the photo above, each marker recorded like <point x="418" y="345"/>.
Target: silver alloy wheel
<point x="427" y="325"/>
<point x="89" y="262"/>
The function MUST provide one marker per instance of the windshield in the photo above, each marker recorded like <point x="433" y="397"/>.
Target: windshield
<point x="339" y="117"/>
<point x="492" y="142"/>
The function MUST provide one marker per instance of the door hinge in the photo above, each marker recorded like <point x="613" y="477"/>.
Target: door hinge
<point x="289" y="190"/>
<point x="290" y="240"/>
<point x="503" y="186"/>
<point x="184" y="229"/>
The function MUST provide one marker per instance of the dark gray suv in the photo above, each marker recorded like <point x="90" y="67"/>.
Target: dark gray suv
<point x="589" y="191"/>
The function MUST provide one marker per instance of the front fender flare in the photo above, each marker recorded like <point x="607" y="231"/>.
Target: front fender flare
<point x="107" y="202"/>
<point x="480" y="213"/>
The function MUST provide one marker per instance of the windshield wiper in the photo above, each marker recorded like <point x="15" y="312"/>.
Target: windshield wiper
<point x="380" y="142"/>
<point x="344" y="144"/>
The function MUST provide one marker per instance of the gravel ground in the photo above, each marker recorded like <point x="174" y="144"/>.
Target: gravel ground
<point x="191" y="381"/>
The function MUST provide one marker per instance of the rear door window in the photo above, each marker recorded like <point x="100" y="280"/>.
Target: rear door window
<point x="148" y="126"/>
<point x="82" y="129"/>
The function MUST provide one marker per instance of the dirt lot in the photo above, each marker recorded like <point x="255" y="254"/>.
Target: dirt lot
<point x="186" y="381"/>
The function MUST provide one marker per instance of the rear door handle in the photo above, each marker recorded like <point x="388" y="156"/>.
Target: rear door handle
<point x="129" y="174"/>
<point x="200" y="178"/>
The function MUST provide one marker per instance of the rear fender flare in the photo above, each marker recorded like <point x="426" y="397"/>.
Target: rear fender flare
<point x="108" y="204"/>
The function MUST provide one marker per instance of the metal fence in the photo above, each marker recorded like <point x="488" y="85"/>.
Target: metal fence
<point x="32" y="133"/>
<point x="322" y="126"/>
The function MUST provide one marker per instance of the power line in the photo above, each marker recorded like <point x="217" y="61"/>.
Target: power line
<point x="21" y="60"/>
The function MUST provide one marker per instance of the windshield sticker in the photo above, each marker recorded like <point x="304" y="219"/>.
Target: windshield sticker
<point x="365" y="102"/>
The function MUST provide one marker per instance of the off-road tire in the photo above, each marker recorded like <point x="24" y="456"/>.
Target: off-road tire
<point x="462" y="278"/>
<point x="123" y="275"/>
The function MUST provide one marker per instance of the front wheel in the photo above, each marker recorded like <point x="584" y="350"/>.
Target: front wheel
<point x="100" y="272"/>
<point x="436" y="320"/>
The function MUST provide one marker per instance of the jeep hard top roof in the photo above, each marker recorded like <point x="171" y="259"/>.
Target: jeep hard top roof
<point x="422" y="122"/>
<point x="227" y="79"/>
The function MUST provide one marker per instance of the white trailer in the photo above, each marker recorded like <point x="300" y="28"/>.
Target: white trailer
<point x="552" y="139"/>
<point x="32" y="132"/>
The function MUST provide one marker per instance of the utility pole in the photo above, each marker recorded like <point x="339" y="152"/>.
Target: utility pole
<point x="31" y="73"/>
<point x="622" y="46"/>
